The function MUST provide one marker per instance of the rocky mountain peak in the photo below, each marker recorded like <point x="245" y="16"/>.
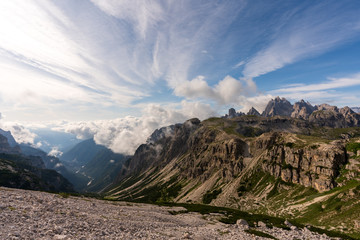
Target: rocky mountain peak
<point x="253" y="111"/>
<point x="9" y="137"/>
<point x="326" y="106"/>
<point x="278" y="106"/>
<point x="232" y="113"/>
<point x="346" y="111"/>
<point x="302" y="110"/>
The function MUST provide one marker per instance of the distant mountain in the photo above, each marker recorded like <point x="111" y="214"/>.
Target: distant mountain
<point x="28" y="172"/>
<point x="96" y="163"/>
<point x="54" y="163"/>
<point x="50" y="139"/>
<point x="81" y="153"/>
<point x="278" y="107"/>
<point x="9" y="137"/>
<point x="322" y="115"/>
<point x="253" y="111"/>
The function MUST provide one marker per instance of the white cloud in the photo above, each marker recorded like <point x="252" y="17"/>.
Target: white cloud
<point x="124" y="135"/>
<point x="227" y="91"/>
<point x="332" y="83"/>
<point x="58" y="165"/>
<point x="143" y="14"/>
<point x="325" y="91"/>
<point x="20" y="133"/>
<point x="239" y="64"/>
<point x="55" y="152"/>
<point x="258" y="101"/>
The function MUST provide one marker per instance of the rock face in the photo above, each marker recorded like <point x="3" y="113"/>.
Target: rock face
<point x="232" y="113"/>
<point x="331" y="116"/>
<point x="314" y="166"/>
<point x="278" y="107"/>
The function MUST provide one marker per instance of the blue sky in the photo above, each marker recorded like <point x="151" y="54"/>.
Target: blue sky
<point x="160" y="62"/>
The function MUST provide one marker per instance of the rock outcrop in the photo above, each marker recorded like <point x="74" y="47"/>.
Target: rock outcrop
<point x="314" y="166"/>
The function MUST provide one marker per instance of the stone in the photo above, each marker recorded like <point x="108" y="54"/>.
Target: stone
<point x="287" y="223"/>
<point x="241" y="223"/>
<point x="60" y="237"/>
<point x="261" y="224"/>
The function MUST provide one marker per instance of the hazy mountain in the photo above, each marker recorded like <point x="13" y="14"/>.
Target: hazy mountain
<point x="81" y="153"/>
<point x="28" y="172"/>
<point x="9" y="138"/>
<point x="95" y="163"/>
<point x="54" y="163"/>
<point x="50" y="139"/>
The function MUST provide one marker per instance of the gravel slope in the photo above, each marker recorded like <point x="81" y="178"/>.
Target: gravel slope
<point x="37" y="215"/>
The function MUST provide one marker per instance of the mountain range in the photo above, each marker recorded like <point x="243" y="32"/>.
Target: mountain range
<point x="323" y="114"/>
<point x="295" y="161"/>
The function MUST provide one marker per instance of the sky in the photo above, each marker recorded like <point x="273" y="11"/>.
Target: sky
<point x="116" y="70"/>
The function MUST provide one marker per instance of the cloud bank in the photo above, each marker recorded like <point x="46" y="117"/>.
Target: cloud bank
<point x="124" y="135"/>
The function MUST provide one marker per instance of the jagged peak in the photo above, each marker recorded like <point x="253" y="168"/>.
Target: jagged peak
<point x="253" y="111"/>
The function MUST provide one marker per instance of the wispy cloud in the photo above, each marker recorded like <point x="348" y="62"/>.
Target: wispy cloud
<point x="309" y="32"/>
<point x="332" y="83"/>
<point x="107" y="52"/>
<point x="328" y="90"/>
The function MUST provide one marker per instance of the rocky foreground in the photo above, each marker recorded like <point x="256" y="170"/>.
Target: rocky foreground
<point x="37" y="215"/>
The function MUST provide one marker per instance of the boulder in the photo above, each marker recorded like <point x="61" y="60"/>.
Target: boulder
<point x="241" y="223"/>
